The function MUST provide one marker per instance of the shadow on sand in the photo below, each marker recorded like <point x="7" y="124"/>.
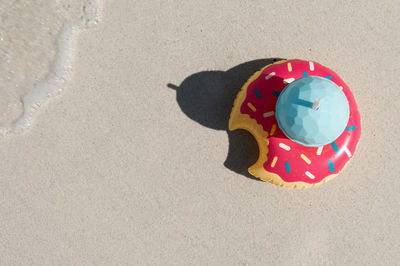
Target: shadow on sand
<point x="207" y="98"/>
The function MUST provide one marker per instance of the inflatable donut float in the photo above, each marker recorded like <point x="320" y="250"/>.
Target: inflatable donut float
<point x="283" y="161"/>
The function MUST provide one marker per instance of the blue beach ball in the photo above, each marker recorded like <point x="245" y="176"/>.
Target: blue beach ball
<point x="312" y="111"/>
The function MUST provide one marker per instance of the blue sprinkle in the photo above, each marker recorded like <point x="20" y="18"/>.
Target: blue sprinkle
<point x="276" y="93"/>
<point x="328" y="77"/>
<point x="335" y="147"/>
<point x="350" y="128"/>
<point x="287" y="166"/>
<point x="257" y="92"/>
<point x="331" y="166"/>
<point x="305" y="74"/>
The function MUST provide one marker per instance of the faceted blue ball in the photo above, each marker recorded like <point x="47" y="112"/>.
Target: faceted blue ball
<point x="312" y="111"/>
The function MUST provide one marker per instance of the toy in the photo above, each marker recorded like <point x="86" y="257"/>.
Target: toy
<point x="301" y="157"/>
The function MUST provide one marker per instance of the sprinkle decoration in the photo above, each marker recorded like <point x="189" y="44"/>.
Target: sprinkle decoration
<point x="287" y="166"/>
<point x="257" y="92"/>
<point x="273" y="128"/>
<point x="335" y="147"/>
<point x="346" y="150"/>
<point x="319" y="151"/>
<point x="289" y="80"/>
<point x="311" y="66"/>
<point x="309" y="175"/>
<point x="289" y="66"/>
<point x="305" y="158"/>
<point x="268" y="114"/>
<point x="270" y="75"/>
<point x="251" y="106"/>
<point x="274" y="161"/>
<point x="284" y="146"/>
<point x="331" y="166"/>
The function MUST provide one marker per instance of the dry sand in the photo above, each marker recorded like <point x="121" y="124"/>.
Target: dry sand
<point x="122" y="169"/>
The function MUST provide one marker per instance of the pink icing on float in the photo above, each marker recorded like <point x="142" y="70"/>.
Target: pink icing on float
<point x="292" y="161"/>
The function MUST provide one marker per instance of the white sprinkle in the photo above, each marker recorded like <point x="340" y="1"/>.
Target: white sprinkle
<point x="284" y="146"/>
<point x="268" y="114"/>
<point x="319" y="151"/>
<point x="346" y="150"/>
<point x="289" y="80"/>
<point x="311" y="66"/>
<point x="270" y="75"/>
<point x="310" y="175"/>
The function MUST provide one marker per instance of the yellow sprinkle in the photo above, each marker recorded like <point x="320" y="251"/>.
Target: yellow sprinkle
<point x="289" y="66"/>
<point x="305" y="158"/>
<point x="274" y="161"/>
<point x="340" y="87"/>
<point x="251" y="106"/>
<point x="273" y="128"/>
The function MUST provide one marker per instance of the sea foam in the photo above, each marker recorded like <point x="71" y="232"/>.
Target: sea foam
<point x="37" y="40"/>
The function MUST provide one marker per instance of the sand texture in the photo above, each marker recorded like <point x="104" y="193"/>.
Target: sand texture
<point x="133" y="164"/>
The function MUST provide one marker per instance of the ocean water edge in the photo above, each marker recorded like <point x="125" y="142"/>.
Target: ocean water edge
<point x="37" y="47"/>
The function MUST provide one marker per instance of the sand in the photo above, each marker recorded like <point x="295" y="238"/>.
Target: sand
<point x="37" y="41"/>
<point x="132" y="162"/>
